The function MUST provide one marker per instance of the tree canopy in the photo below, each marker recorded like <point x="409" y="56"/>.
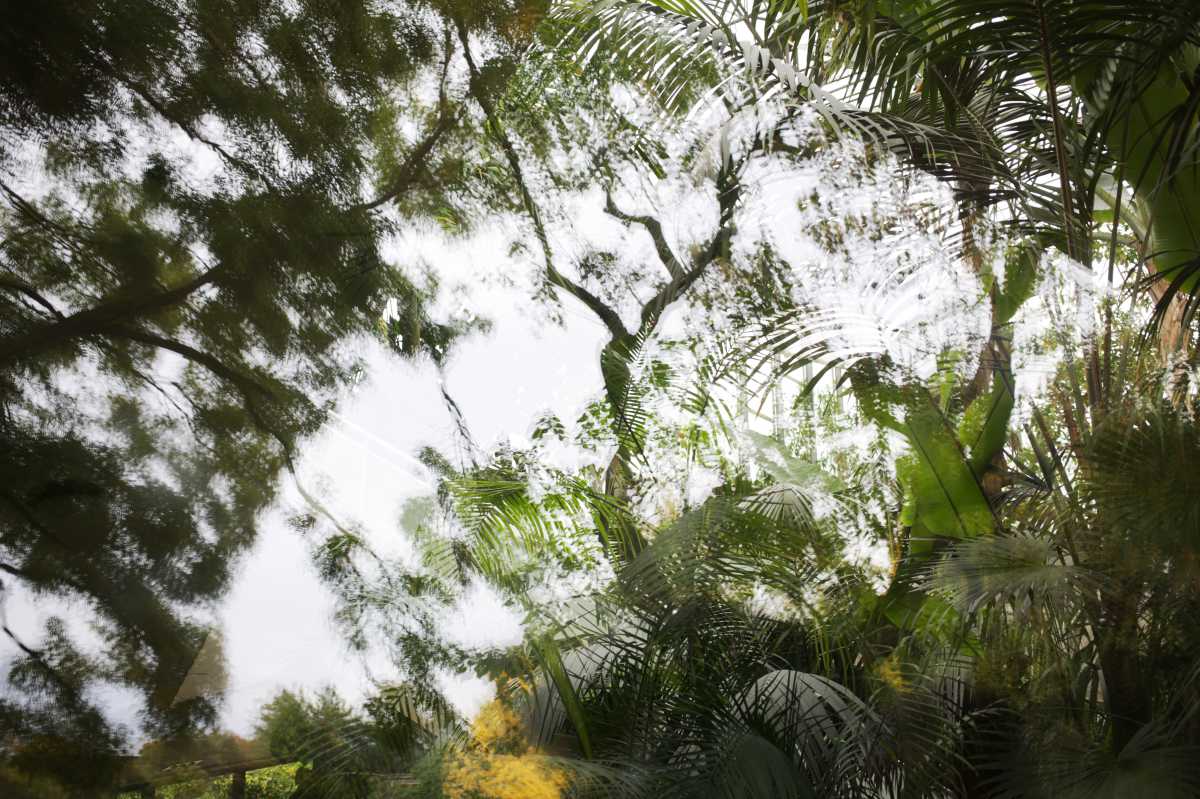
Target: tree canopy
<point x="198" y="200"/>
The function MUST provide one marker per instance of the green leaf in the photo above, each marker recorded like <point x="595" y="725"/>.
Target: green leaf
<point x="547" y="653"/>
<point x="948" y="499"/>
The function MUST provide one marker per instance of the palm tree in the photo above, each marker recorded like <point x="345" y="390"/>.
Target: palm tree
<point x="678" y="680"/>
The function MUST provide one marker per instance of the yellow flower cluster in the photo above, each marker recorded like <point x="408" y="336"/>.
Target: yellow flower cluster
<point x="493" y="776"/>
<point x="499" y="764"/>
<point x="888" y="671"/>
<point x="495" y="724"/>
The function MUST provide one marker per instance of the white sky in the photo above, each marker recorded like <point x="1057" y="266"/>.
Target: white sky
<point x="277" y="617"/>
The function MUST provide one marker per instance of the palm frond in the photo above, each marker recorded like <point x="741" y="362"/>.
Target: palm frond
<point x="1007" y="569"/>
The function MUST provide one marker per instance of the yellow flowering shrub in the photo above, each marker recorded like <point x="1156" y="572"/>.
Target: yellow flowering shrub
<point x="499" y="764"/>
<point x="495" y="725"/>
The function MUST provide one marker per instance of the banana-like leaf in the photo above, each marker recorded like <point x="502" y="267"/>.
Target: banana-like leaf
<point x="947" y="498"/>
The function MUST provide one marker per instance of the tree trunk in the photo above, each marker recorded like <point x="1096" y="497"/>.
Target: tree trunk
<point x="1125" y="697"/>
<point x="1172" y="331"/>
<point x="618" y="477"/>
<point x="237" y="788"/>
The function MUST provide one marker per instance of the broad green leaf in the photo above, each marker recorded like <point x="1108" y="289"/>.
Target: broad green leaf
<point x="948" y="499"/>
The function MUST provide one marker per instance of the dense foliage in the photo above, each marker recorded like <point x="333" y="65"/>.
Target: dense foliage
<point x="951" y="243"/>
<point x="197" y="202"/>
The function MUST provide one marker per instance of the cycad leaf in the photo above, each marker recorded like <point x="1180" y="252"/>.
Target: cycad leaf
<point x="797" y="485"/>
<point x="551" y="661"/>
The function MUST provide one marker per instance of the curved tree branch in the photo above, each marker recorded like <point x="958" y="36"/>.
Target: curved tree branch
<point x="728" y="194"/>
<point x="19" y="286"/>
<point x="420" y="154"/>
<point x="607" y="315"/>
<point x="415" y="162"/>
<point x="654" y="228"/>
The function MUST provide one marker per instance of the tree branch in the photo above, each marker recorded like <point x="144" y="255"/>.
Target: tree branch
<point x="13" y="570"/>
<point x="21" y="287"/>
<point x="608" y="316"/>
<point x="728" y="194"/>
<point x="64" y="235"/>
<point x="417" y="158"/>
<point x="33" y="654"/>
<point x="248" y="387"/>
<point x="98" y="320"/>
<point x="413" y="164"/>
<point x="654" y="228"/>
<point x="187" y="127"/>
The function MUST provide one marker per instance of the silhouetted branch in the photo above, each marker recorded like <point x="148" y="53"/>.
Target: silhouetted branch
<point x="21" y="287"/>
<point x="607" y="315"/>
<point x="654" y="228"/>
